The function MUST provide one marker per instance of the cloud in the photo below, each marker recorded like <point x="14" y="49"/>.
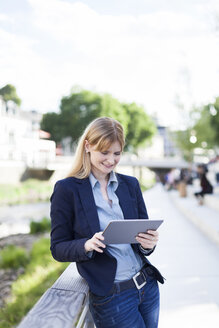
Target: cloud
<point x="21" y="66"/>
<point x="6" y="18"/>
<point x="77" y="22"/>
<point x="135" y="57"/>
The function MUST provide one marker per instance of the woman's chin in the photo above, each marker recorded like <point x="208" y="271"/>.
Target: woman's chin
<point x="107" y="169"/>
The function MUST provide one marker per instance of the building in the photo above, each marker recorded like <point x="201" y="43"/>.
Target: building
<point x="161" y="146"/>
<point x="22" y="143"/>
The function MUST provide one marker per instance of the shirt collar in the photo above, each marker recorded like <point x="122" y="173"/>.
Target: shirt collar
<point x="113" y="179"/>
<point x="93" y="180"/>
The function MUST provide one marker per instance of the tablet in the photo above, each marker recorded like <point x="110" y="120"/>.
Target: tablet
<point x="125" y="231"/>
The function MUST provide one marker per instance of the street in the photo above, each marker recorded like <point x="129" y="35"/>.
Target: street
<point x="190" y="264"/>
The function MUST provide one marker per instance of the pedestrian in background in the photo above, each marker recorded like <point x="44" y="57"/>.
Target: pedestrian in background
<point x="123" y="284"/>
<point x="206" y="187"/>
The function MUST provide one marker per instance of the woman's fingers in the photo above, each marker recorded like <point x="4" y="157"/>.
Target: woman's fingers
<point x="150" y="235"/>
<point x="153" y="233"/>
<point x="95" y="243"/>
<point x="97" y="249"/>
<point x="98" y="243"/>
<point x="146" y="243"/>
<point x="99" y="235"/>
<point x="149" y="239"/>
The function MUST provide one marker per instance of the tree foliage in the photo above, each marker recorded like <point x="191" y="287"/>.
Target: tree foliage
<point x="51" y="123"/>
<point x="140" y="127"/>
<point x="76" y="111"/>
<point x="182" y="139"/>
<point x="9" y="93"/>
<point x="204" y="127"/>
<point x="82" y="106"/>
<point x="214" y="121"/>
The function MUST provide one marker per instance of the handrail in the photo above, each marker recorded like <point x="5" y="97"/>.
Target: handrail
<point x="64" y="305"/>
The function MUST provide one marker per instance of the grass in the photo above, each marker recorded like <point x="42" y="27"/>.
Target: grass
<point x="31" y="190"/>
<point x="40" y="273"/>
<point x="43" y="226"/>
<point x="13" y="257"/>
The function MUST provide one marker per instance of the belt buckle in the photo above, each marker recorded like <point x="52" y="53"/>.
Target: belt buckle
<point x="135" y="280"/>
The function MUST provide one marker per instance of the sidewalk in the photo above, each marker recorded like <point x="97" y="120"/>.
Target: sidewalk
<point x="189" y="262"/>
<point x="204" y="217"/>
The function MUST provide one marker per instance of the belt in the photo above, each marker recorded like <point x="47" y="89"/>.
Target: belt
<point x="138" y="280"/>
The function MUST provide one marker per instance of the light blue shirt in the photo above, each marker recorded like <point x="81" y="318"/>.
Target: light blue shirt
<point x="128" y="262"/>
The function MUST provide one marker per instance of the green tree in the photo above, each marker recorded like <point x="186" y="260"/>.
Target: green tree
<point x="76" y="111"/>
<point x="203" y="131"/>
<point x="214" y="120"/>
<point x="111" y="107"/>
<point x="140" y="129"/>
<point x="50" y="122"/>
<point x="203" y="127"/>
<point x="182" y="140"/>
<point x="9" y="93"/>
<point x="82" y="106"/>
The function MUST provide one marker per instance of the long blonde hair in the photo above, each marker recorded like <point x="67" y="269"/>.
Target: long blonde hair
<point x="101" y="133"/>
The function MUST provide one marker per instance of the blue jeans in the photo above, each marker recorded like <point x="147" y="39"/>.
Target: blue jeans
<point x="131" y="308"/>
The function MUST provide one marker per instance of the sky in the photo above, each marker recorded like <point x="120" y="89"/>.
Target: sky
<point x="156" y="53"/>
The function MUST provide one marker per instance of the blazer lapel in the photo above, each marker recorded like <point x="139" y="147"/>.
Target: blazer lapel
<point x="126" y="202"/>
<point x="88" y="203"/>
<point x="87" y="199"/>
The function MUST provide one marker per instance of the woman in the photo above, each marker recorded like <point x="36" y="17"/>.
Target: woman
<point x="81" y="207"/>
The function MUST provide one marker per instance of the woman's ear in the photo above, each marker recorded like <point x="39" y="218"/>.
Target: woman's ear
<point x="87" y="146"/>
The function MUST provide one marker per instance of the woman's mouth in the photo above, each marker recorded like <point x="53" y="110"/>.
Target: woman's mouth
<point x="108" y="166"/>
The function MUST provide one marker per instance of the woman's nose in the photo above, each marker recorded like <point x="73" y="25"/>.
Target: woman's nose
<point x="110" y="160"/>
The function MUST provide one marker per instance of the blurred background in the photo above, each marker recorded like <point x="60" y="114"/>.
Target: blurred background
<point x="152" y="65"/>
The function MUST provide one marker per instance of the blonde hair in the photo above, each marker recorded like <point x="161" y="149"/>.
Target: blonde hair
<point x="101" y="133"/>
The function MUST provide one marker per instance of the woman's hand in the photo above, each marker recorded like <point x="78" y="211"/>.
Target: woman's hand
<point x="148" y="240"/>
<point x="95" y="243"/>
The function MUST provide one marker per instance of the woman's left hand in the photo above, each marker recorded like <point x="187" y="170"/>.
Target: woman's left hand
<point x="148" y="240"/>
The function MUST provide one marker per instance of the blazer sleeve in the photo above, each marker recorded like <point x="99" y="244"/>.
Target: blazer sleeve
<point x="142" y="211"/>
<point x="64" y="247"/>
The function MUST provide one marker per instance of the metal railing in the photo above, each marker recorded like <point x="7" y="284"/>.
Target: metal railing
<point x="64" y="305"/>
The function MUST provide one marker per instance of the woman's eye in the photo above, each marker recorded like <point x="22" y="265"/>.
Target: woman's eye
<point x="106" y="152"/>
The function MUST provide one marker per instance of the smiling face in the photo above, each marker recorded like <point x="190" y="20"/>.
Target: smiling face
<point x="103" y="162"/>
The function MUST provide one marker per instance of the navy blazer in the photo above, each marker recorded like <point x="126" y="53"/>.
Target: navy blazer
<point x="75" y="220"/>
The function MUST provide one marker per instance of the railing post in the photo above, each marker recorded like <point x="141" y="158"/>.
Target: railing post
<point x="89" y="323"/>
<point x="86" y="320"/>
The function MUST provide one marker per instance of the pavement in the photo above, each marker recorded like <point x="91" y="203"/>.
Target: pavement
<point x="188" y="259"/>
<point x="205" y="217"/>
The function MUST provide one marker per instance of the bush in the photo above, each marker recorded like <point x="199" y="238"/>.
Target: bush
<point x="13" y="257"/>
<point x="43" y="226"/>
<point x="40" y="273"/>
